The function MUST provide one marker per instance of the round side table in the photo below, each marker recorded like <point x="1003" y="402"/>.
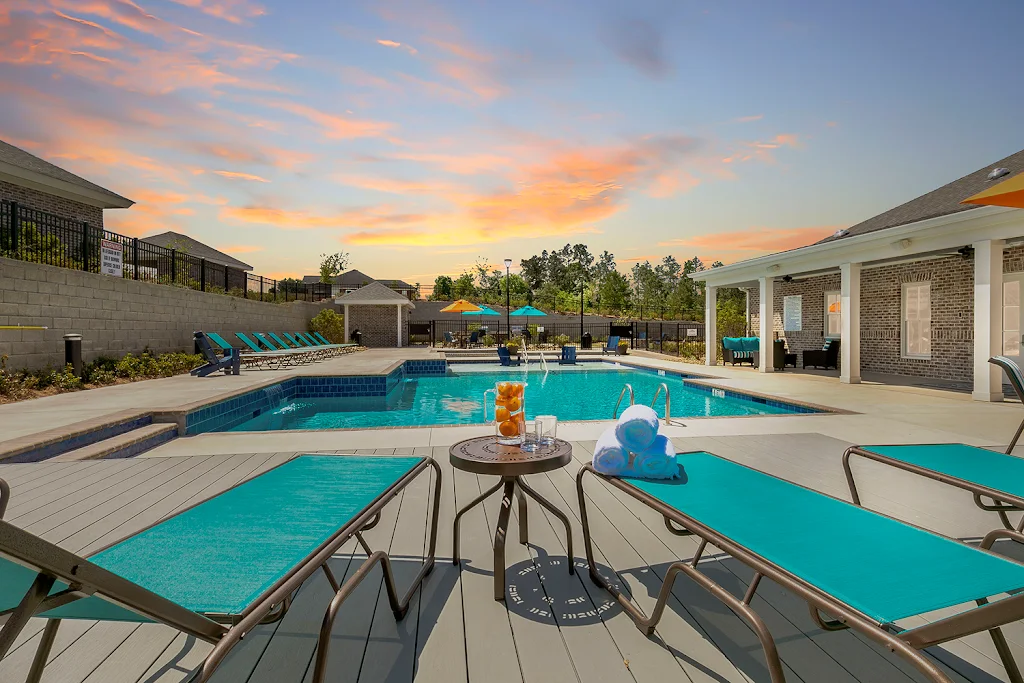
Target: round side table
<point x="484" y="455"/>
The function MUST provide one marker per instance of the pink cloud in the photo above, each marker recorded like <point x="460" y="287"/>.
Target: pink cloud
<point x="756" y="241"/>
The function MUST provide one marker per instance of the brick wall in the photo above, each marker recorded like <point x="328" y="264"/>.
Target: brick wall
<point x="65" y="208"/>
<point x="378" y="325"/>
<point x="812" y="332"/>
<point x="117" y="316"/>
<point x="952" y="314"/>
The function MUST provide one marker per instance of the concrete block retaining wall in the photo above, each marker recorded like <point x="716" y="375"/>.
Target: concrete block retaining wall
<point x="117" y="316"/>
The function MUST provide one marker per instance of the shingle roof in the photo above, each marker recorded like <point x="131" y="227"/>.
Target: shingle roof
<point x="373" y="293"/>
<point x="175" y="240"/>
<point x="941" y="202"/>
<point x="357" y="278"/>
<point x="15" y="156"/>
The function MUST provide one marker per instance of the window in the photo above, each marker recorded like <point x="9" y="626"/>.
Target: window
<point x="833" y="318"/>
<point x="917" y="320"/>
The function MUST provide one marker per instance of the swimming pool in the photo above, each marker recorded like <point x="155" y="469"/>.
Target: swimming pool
<point x="584" y="392"/>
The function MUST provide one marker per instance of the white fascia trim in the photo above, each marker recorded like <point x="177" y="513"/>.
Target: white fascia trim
<point x="60" y="188"/>
<point x="934" y="234"/>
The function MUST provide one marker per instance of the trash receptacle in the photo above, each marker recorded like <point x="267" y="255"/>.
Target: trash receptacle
<point x="779" y="354"/>
<point x="587" y="342"/>
<point x="357" y="337"/>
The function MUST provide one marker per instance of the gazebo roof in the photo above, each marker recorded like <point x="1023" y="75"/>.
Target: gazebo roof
<point x="374" y="294"/>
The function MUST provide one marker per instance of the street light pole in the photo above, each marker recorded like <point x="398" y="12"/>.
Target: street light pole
<point x="508" y="301"/>
<point x="581" y="314"/>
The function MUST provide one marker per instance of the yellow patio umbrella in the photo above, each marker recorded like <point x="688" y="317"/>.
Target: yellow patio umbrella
<point x="1007" y="193"/>
<point x="460" y="306"/>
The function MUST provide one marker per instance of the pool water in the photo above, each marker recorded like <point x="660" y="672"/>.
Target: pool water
<point x="580" y="393"/>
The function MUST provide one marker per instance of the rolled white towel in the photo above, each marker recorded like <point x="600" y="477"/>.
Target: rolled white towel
<point x="637" y="427"/>
<point x="609" y="456"/>
<point x="658" y="461"/>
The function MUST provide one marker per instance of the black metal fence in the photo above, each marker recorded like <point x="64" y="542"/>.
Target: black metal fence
<point x="673" y="338"/>
<point x="28" y="234"/>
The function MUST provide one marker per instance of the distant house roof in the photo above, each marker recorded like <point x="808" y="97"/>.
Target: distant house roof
<point x="184" y="243"/>
<point x="374" y="294"/>
<point x="357" y="278"/>
<point x="27" y="170"/>
<point x="941" y="202"/>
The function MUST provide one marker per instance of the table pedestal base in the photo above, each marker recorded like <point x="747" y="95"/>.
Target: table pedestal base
<point x="509" y="486"/>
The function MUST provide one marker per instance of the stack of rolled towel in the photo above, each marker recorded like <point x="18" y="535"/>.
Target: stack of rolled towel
<point x="633" y="447"/>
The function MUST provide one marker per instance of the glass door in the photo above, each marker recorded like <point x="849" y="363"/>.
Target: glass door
<point x="1011" y="314"/>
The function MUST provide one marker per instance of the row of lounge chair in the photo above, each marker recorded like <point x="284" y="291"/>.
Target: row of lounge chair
<point x="855" y="568"/>
<point x="263" y="350"/>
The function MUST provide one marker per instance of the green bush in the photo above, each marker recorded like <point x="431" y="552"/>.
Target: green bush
<point x="560" y="340"/>
<point x="488" y="340"/>
<point x="513" y="346"/>
<point x="331" y="325"/>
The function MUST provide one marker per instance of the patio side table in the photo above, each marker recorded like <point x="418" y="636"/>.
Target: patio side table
<point x="484" y="455"/>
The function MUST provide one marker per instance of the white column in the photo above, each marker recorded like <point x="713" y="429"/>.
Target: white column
<point x="767" y="323"/>
<point x="849" y="316"/>
<point x="399" y="342"/>
<point x="988" y="319"/>
<point x="710" y="325"/>
<point x="345" y="340"/>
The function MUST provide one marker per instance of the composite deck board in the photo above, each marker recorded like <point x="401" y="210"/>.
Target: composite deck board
<point x="455" y="631"/>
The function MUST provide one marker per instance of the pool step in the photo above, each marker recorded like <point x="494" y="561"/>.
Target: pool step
<point x="123" y="445"/>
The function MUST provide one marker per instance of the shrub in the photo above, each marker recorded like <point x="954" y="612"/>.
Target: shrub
<point x="488" y="340"/>
<point x="513" y="346"/>
<point x="560" y="340"/>
<point x="331" y="325"/>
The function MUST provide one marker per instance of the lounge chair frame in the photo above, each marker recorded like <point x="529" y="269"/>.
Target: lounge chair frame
<point x="1002" y="502"/>
<point x="907" y="643"/>
<point x="224" y="631"/>
<point x="1013" y="373"/>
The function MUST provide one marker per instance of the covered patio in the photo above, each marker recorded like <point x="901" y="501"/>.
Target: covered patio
<point x="933" y="298"/>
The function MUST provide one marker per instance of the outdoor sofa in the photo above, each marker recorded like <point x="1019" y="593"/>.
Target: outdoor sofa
<point x="740" y="350"/>
<point x="216" y="570"/>
<point x="854" y="568"/>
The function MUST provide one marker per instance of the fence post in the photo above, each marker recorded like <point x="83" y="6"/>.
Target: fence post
<point x="15" y="226"/>
<point x="135" y="256"/>
<point x="202" y="274"/>
<point x="174" y="266"/>
<point x="261" y="287"/>
<point x="85" y="246"/>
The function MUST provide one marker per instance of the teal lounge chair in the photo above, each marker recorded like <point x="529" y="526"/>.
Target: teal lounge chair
<point x="866" y="571"/>
<point x="273" y="346"/>
<point x="281" y="342"/>
<point x="611" y="347"/>
<point x="249" y="360"/>
<point x="218" y="569"/>
<point x="345" y="348"/>
<point x="278" y="358"/>
<point x="334" y="349"/>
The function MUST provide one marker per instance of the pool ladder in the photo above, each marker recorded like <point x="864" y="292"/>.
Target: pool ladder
<point x="632" y="400"/>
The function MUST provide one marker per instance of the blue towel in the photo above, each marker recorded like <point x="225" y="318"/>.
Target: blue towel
<point x="609" y="456"/>
<point x="637" y="427"/>
<point x="658" y="461"/>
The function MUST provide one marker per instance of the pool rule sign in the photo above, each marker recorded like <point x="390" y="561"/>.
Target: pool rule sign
<point x="111" y="258"/>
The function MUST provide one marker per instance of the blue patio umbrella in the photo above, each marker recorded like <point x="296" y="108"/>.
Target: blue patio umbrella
<point x="527" y="311"/>
<point x="484" y="310"/>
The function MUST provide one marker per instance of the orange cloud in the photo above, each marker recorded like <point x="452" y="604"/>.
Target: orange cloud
<point x="252" y="154"/>
<point x="391" y="43"/>
<point x="460" y="50"/>
<point x="334" y="127"/>
<point x="235" y="175"/>
<point x="757" y="241"/>
<point x="464" y="164"/>
<point x="394" y="186"/>
<point x="154" y="211"/>
<point x="234" y="11"/>
<point x="374" y="217"/>
<point x="672" y="183"/>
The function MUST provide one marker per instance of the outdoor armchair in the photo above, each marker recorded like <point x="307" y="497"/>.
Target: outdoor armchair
<point x="219" y="568"/>
<point x="230" y="362"/>
<point x="740" y="350"/>
<point x="827" y="357"/>
<point x="611" y="347"/>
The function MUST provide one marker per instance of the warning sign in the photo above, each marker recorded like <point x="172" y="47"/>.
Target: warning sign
<point x="111" y="258"/>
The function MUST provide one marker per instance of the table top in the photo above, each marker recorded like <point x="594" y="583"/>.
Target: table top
<point x="484" y="455"/>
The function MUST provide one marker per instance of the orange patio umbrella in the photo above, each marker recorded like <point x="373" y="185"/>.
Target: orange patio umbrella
<point x="460" y="306"/>
<point x="1007" y="193"/>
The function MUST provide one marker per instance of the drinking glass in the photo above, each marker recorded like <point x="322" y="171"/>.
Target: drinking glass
<point x="546" y="427"/>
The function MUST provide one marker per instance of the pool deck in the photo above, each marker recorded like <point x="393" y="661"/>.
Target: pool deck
<point x="557" y="628"/>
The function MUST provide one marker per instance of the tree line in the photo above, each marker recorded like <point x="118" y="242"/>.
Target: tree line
<point x="559" y="279"/>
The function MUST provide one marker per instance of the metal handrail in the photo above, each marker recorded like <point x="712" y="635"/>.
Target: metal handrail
<point x="668" y="401"/>
<point x="628" y="387"/>
<point x="544" y="362"/>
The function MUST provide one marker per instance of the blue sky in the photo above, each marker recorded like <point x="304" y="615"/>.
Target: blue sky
<point x="420" y="136"/>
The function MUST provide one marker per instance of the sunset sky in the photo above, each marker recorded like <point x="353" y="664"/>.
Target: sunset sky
<point x="419" y="136"/>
